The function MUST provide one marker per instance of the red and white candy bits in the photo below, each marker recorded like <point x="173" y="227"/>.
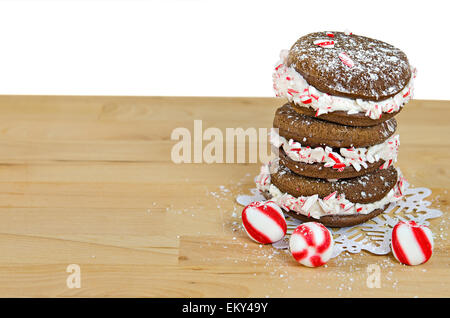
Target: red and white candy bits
<point x="412" y="244"/>
<point x="346" y="59"/>
<point x="311" y="244"/>
<point x="324" y="43"/>
<point x="264" y="222"/>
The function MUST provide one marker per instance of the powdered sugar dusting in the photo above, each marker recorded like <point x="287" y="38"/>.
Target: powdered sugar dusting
<point x="379" y="70"/>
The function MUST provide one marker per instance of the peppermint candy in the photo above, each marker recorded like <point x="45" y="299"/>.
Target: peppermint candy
<point x="305" y="98"/>
<point x="330" y="196"/>
<point x="412" y="244"/>
<point x="264" y="222"/>
<point x="311" y="244"/>
<point x="346" y="59"/>
<point x="325" y="43"/>
<point x="309" y="202"/>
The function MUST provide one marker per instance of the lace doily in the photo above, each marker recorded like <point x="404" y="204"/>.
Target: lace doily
<point x="374" y="235"/>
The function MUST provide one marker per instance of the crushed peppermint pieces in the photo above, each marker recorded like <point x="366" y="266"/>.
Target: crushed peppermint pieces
<point x="325" y="43"/>
<point x="346" y="59"/>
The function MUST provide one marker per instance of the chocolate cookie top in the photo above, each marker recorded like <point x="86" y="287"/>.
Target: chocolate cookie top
<point x="314" y="132"/>
<point x="353" y="66"/>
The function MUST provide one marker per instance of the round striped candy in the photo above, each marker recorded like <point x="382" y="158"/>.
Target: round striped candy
<point x="311" y="244"/>
<point x="412" y="244"/>
<point x="264" y="222"/>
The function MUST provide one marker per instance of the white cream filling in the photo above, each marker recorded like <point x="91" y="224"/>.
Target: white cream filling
<point x="333" y="204"/>
<point x="357" y="157"/>
<point x="287" y="82"/>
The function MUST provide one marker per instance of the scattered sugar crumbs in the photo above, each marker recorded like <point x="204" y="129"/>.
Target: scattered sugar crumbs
<point x="348" y="272"/>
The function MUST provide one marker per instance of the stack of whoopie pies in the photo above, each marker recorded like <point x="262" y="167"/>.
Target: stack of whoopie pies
<point x="335" y="136"/>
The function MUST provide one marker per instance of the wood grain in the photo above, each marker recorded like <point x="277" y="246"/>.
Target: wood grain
<point x="89" y="181"/>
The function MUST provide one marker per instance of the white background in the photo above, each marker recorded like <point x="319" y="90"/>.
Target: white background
<point x="198" y="48"/>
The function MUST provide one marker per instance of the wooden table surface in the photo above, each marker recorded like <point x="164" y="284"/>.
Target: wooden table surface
<point x="90" y="181"/>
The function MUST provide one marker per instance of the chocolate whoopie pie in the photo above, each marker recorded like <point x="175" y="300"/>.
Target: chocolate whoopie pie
<point x="306" y="145"/>
<point x="345" y="78"/>
<point x="338" y="203"/>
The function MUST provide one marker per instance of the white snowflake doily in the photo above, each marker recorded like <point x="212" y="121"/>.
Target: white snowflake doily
<point x="374" y="235"/>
